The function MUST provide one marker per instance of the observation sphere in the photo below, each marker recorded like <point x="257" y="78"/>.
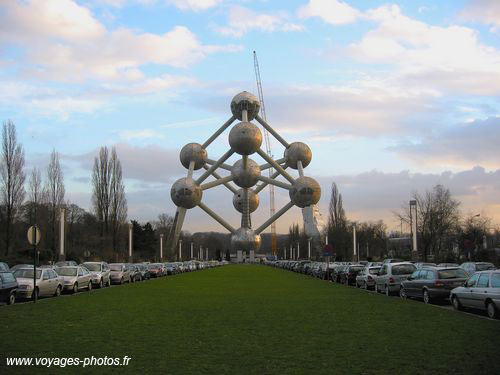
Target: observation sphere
<point x="305" y="192"/>
<point x="193" y="152"/>
<point x="245" y="138"/>
<point x="245" y="239"/>
<point x="186" y="193"/>
<point x="245" y="100"/>
<point x="239" y="201"/>
<point x="245" y="177"/>
<point x="298" y="151"/>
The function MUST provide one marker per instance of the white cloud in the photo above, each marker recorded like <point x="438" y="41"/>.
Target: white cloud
<point x="242" y="20"/>
<point x="195" y="5"/>
<point x="449" y="59"/>
<point x="484" y="11"/>
<point x="331" y="11"/>
<point x="63" y="41"/>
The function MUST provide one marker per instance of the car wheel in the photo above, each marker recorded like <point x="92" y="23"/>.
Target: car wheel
<point x="101" y="284"/>
<point x="58" y="291"/>
<point x="12" y="299"/>
<point x="402" y="293"/>
<point x="492" y="310"/>
<point x="75" y="288"/>
<point x="376" y="289"/>
<point x="427" y="296"/>
<point x="109" y="282"/>
<point x="387" y="291"/>
<point x="90" y="286"/>
<point x="366" y="285"/>
<point x="456" y="303"/>
<point x="121" y="281"/>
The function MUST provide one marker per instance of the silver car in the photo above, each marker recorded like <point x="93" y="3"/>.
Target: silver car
<point x="101" y="273"/>
<point x="48" y="282"/>
<point x="389" y="277"/>
<point x="120" y="273"/>
<point x="366" y="278"/>
<point x="75" y="278"/>
<point x="481" y="291"/>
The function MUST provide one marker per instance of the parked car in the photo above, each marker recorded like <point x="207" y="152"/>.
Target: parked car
<point x="8" y="287"/>
<point x="64" y="263"/>
<point x="420" y="265"/>
<point x="75" y="278"/>
<point x="101" y="273"/>
<point x="448" y="265"/>
<point x="119" y="273"/>
<point x="19" y="266"/>
<point x="366" y="278"/>
<point x="432" y="283"/>
<point x="143" y="268"/>
<point x="481" y="291"/>
<point x="4" y="267"/>
<point x="155" y="269"/>
<point x="392" y="260"/>
<point x="391" y="275"/>
<point x="48" y="283"/>
<point x="348" y="277"/>
<point x="135" y="272"/>
<point x="471" y="267"/>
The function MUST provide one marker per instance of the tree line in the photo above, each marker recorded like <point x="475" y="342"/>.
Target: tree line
<point x="444" y="233"/>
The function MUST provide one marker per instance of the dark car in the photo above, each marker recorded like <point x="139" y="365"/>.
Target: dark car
<point x="471" y="267"/>
<point x="8" y="287"/>
<point x="143" y="268"/>
<point x="348" y="277"/>
<point x="135" y="272"/>
<point x="432" y="283"/>
<point x="336" y="274"/>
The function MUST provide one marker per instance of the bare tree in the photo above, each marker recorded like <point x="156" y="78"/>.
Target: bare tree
<point x="12" y="183"/>
<point x="336" y="213"/>
<point x="118" y="201"/>
<point x="101" y="182"/>
<point x="438" y="218"/>
<point x="35" y="193"/>
<point x="54" y="192"/>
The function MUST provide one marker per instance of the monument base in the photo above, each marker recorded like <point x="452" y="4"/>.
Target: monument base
<point x="239" y="256"/>
<point x="252" y="256"/>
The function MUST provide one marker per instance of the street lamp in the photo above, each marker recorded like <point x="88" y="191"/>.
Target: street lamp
<point x="413" y="206"/>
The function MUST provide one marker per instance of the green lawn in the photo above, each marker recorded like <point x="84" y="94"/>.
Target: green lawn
<point x="249" y="319"/>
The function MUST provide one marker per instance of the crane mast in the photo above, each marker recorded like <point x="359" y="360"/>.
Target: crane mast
<point x="272" y="209"/>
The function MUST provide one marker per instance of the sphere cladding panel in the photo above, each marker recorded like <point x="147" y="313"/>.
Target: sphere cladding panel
<point x="305" y="192"/>
<point x="193" y="152"/>
<point x="245" y="239"/>
<point x="245" y="177"/>
<point x="238" y="200"/>
<point x="248" y="101"/>
<point x="298" y="151"/>
<point x="245" y="138"/>
<point x="186" y="193"/>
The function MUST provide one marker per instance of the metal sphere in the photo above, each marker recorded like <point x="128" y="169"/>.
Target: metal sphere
<point x="305" y="192"/>
<point x="245" y="177"/>
<point x="245" y="239"/>
<point x="239" y="201"/>
<point x="298" y="151"/>
<point x="186" y="193"/>
<point x="245" y="138"/>
<point x="248" y="101"/>
<point x="193" y="152"/>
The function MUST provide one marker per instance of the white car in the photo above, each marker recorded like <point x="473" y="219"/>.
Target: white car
<point x="100" y="273"/>
<point x="75" y="278"/>
<point x="48" y="282"/>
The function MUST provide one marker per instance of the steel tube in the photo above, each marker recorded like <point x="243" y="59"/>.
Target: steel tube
<point x="274" y="217"/>
<point x="216" y="217"/>
<point x="218" y="132"/>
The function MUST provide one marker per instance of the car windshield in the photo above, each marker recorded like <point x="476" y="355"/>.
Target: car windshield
<point x="7" y="277"/>
<point x="484" y="266"/>
<point x="93" y="266"/>
<point x="357" y="268"/>
<point x="153" y="266"/>
<point x="27" y="274"/>
<point x="454" y="273"/>
<point x="495" y="280"/>
<point x="66" y="271"/>
<point x="403" y="269"/>
<point x="374" y="270"/>
<point x="115" y="267"/>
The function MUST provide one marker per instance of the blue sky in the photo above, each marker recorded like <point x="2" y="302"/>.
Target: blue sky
<point x="392" y="97"/>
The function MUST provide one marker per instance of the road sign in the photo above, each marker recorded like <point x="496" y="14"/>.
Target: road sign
<point x="32" y="238"/>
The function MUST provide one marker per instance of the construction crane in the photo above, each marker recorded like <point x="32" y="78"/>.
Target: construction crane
<point x="272" y="209"/>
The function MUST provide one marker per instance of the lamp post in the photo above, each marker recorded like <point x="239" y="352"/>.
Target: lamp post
<point x="161" y="247"/>
<point x="191" y="250"/>
<point x="130" y="239"/>
<point x="413" y="207"/>
<point x="180" y="250"/>
<point x="309" y="248"/>
<point x="354" y="239"/>
<point x="298" y="250"/>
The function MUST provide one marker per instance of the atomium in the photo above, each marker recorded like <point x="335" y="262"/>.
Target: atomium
<point x="245" y="138"/>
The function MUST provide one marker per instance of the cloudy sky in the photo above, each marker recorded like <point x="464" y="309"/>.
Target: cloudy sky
<point x="392" y="97"/>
